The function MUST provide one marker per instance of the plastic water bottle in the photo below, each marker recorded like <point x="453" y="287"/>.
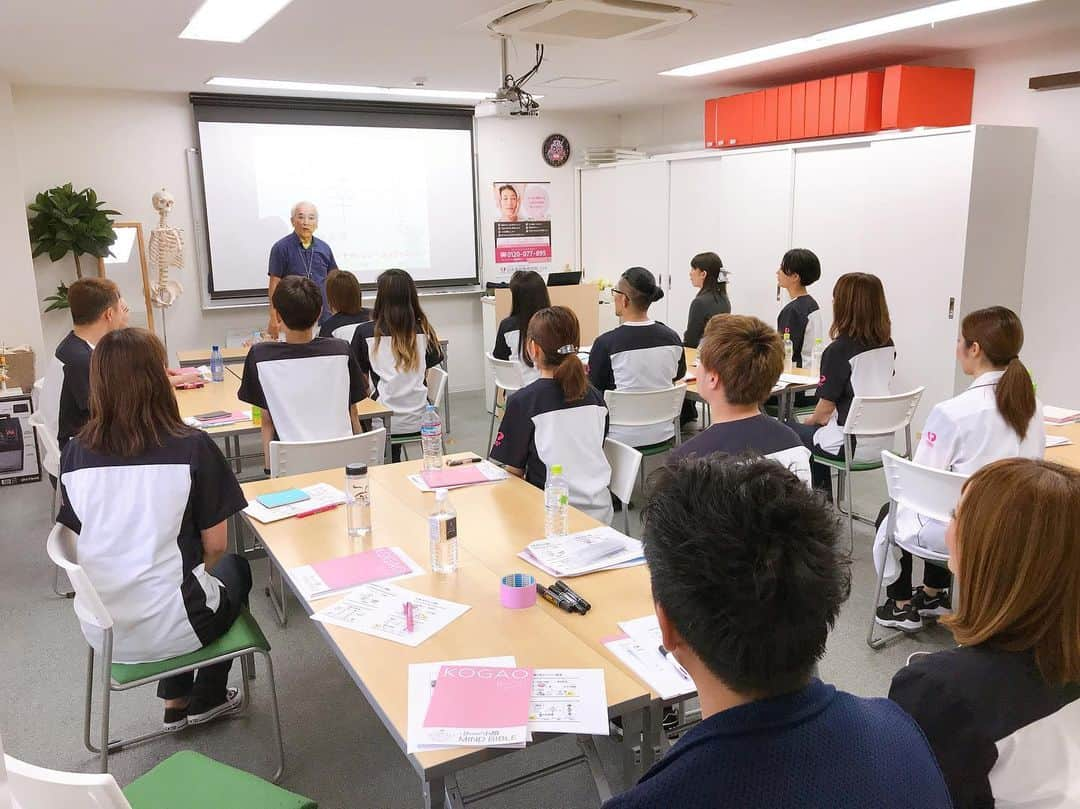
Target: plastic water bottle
<point x="789" y="351"/>
<point x="815" y="358"/>
<point x="217" y="364"/>
<point x="442" y="534"/>
<point x="431" y="438"/>
<point x="556" y="503"/>
<point x="358" y="500"/>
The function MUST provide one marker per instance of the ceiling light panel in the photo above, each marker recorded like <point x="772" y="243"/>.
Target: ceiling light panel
<point x="350" y="89"/>
<point x="231" y="20"/>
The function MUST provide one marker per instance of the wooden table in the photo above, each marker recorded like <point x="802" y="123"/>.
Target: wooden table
<point x="786" y="394"/>
<point x="536" y="636"/>
<point x="1068" y="455"/>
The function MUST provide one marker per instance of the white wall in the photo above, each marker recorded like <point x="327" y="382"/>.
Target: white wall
<point x="19" y="322"/>
<point x="126" y="145"/>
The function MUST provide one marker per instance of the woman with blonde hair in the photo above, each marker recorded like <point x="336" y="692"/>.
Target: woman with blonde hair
<point x="1014" y="547"/>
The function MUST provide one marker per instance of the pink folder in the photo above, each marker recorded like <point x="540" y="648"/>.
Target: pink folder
<point x="360" y="568"/>
<point x="480" y="697"/>
<point x="455" y="476"/>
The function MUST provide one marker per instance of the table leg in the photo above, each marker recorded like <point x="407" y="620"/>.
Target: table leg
<point x="634" y="762"/>
<point x="446" y="397"/>
<point x="435" y="794"/>
<point x="652" y="735"/>
<point x="389" y="453"/>
<point x="596" y="767"/>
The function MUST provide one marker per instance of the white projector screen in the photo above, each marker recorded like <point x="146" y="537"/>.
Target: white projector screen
<point x="386" y="196"/>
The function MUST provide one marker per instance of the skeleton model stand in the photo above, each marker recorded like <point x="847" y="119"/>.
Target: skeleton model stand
<point x="166" y="252"/>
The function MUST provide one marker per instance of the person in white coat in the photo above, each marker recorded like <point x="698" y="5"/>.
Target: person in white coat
<point x="997" y="417"/>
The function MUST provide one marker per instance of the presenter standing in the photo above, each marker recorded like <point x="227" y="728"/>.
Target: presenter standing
<point x="300" y="253"/>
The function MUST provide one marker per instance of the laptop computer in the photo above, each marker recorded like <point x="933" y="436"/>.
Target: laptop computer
<point x="564" y="279"/>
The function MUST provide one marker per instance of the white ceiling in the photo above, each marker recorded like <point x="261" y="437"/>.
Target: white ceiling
<point x="132" y="44"/>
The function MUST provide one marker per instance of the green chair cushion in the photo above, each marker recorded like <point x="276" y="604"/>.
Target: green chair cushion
<point x="189" y="780"/>
<point x="856" y="466"/>
<point x="404" y="438"/>
<point x="656" y="449"/>
<point x="243" y="634"/>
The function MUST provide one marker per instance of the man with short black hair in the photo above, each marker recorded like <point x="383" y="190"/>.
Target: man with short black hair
<point x="747" y="580"/>
<point x="305" y="387"/>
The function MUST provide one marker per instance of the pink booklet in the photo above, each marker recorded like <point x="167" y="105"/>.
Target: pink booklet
<point x="453" y="476"/>
<point x="479" y="706"/>
<point x="334" y="575"/>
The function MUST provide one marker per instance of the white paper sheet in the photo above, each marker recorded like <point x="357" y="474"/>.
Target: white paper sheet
<point x="569" y="701"/>
<point x="798" y="379"/>
<point x="307" y="580"/>
<point x="584" y="552"/>
<point x="651" y="668"/>
<point x="378" y="609"/>
<point x="1059" y="415"/>
<point x="489" y="470"/>
<point x="321" y="495"/>
<point x="1057" y="441"/>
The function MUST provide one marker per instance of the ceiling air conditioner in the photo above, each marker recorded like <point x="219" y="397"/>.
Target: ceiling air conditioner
<point x="590" y="19"/>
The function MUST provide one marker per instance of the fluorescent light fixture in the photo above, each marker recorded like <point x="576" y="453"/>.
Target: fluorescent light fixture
<point x="351" y="89"/>
<point x="231" y="20"/>
<point x="849" y="33"/>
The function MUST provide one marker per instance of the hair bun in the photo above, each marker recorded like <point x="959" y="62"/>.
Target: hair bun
<point x="657" y="294"/>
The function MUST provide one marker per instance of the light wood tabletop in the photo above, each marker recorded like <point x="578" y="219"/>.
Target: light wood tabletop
<point x="1068" y="455"/>
<point x="201" y="356"/>
<point x="379" y="667"/>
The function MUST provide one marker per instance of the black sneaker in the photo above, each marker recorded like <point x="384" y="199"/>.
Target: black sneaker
<point x="199" y="713"/>
<point x="903" y="618"/>
<point x="175" y="719"/>
<point x="670" y="722"/>
<point x="931" y="606"/>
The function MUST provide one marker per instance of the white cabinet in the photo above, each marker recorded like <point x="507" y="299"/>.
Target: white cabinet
<point x="939" y="215"/>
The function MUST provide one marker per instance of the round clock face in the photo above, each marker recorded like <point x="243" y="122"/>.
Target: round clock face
<point x="556" y="150"/>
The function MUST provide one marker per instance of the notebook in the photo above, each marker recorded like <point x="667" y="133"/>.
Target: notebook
<point x="332" y="576"/>
<point x="479" y="706"/>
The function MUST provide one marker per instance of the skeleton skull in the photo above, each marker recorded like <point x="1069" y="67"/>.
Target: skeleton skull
<point x="163" y="201"/>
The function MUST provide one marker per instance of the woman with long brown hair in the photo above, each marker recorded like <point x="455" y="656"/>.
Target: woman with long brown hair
<point x="1014" y="547"/>
<point x="861" y="323"/>
<point x="558" y="420"/>
<point x="396" y="348"/>
<point x="997" y="417"/>
<point x="149" y="498"/>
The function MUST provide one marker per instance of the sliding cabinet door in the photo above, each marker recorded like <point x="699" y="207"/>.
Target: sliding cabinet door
<point x="597" y="223"/>
<point x="641" y="223"/>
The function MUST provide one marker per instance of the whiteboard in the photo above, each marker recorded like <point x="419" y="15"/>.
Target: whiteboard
<point x="387" y="197"/>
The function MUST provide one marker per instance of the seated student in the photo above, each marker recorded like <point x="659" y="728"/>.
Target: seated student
<point x="149" y="499"/>
<point x="747" y="580"/>
<point x="1014" y="551"/>
<point x="97" y="308"/>
<point x="740" y="359"/>
<point x="708" y="276"/>
<point x="305" y="387"/>
<point x="559" y="419"/>
<point x="528" y="295"/>
<point x="639" y="355"/>
<point x="860" y="323"/>
<point x="344" y="298"/>
<point x="997" y="417"/>
<point x="396" y="348"/>
<point x="799" y="268"/>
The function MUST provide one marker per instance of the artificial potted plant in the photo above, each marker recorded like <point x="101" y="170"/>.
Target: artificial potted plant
<point x="63" y="220"/>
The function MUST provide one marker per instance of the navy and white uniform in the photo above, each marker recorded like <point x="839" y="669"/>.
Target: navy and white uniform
<point x="540" y="429"/>
<point x="507" y="341"/>
<point x="307" y="388"/>
<point x="343" y="326"/>
<point x="836" y="384"/>
<point x="288" y="256"/>
<point x="139" y="522"/>
<point x="962" y="434"/>
<point x="758" y="435"/>
<point x="65" y="393"/>
<point x="403" y="390"/>
<point x="638" y="357"/>
<point x="801" y="319"/>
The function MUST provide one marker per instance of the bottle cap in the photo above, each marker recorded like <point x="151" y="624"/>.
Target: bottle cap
<point x="556" y="469"/>
<point x="429" y="406"/>
<point x="440" y="495"/>
<point x="356" y="469"/>
<point x="214" y="348"/>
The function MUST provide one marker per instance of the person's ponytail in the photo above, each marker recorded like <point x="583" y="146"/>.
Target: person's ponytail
<point x="556" y="331"/>
<point x="1000" y="335"/>
<point x="1015" y="397"/>
<point x="570" y="374"/>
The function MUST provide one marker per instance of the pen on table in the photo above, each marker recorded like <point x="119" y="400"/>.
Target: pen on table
<point x="463" y="461"/>
<point x="565" y="588"/>
<point x="553" y="598"/>
<point x="575" y="601"/>
<point x="410" y="624"/>
<point x="331" y="507"/>
<point x="671" y="659"/>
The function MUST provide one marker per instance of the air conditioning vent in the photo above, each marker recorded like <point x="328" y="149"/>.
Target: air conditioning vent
<point x="590" y="19"/>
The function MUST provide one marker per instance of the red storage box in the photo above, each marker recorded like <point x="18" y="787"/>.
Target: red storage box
<point x="710" y="123"/>
<point x="842" y="106"/>
<point x="783" y="112"/>
<point x="772" y="98"/>
<point x="758" y="134"/>
<point x="743" y="131"/>
<point x="813" y="109"/>
<point x="865" y="115"/>
<point x="826" y="106"/>
<point x="798" y="111"/>
<point x="926" y="96"/>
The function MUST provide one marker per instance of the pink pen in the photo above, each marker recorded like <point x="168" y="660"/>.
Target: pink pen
<point x="409" y="624"/>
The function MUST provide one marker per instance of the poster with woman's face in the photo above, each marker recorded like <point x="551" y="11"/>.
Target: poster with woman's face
<point x="522" y="225"/>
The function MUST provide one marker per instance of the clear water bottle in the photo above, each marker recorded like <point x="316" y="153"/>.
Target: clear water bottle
<point x="431" y="438"/>
<point x="789" y="351"/>
<point x="556" y="503"/>
<point x="815" y="358"/>
<point x="357" y="500"/>
<point x="217" y="364"/>
<point x="442" y="534"/>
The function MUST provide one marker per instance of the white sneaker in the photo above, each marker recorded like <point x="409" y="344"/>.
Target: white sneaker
<point x="231" y="704"/>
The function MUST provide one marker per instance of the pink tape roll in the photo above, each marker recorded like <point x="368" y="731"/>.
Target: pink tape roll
<point x="517" y="591"/>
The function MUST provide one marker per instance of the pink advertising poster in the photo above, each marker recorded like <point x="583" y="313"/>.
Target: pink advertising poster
<point x="522" y="226"/>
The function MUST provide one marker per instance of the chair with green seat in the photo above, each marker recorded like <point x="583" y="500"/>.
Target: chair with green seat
<point x="243" y="640"/>
<point x="647" y="408"/>
<point x="872" y="424"/>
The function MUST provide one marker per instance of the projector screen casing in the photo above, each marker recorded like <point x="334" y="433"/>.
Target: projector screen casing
<point x="272" y="110"/>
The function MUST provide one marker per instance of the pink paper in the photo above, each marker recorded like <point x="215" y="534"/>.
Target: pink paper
<point x="480" y="697"/>
<point x="360" y="568"/>
<point x="232" y="418"/>
<point x="453" y="476"/>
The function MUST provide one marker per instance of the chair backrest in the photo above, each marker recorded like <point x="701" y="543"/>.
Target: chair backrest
<point x="639" y="408"/>
<point x="625" y="463"/>
<point x="61" y="547"/>
<point x="797" y="460"/>
<point x="298" y="457"/>
<point x="882" y="415"/>
<point x="26" y="786"/>
<point x="1038" y="766"/>
<point x="507" y="373"/>
<point x="51" y="460"/>
<point x="436" y="385"/>
<point x="872" y="371"/>
<point x="930" y="492"/>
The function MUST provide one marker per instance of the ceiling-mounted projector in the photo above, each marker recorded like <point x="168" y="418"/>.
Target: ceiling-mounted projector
<point x="511" y="98"/>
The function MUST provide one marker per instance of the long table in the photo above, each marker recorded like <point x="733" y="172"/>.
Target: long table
<point x="1069" y="455"/>
<point x="539" y="636"/>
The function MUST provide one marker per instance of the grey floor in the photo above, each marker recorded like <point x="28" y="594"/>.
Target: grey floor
<point x="337" y="751"/>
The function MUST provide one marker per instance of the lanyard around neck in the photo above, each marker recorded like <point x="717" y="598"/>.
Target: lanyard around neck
<point x="310" y="258"/>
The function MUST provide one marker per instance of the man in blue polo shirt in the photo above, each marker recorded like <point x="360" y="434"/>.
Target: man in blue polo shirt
<point x="747" y="580"/>
<point x="300" y="253"/>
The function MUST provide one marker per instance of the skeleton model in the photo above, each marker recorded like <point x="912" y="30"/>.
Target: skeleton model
<point x="166" y="252"/>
